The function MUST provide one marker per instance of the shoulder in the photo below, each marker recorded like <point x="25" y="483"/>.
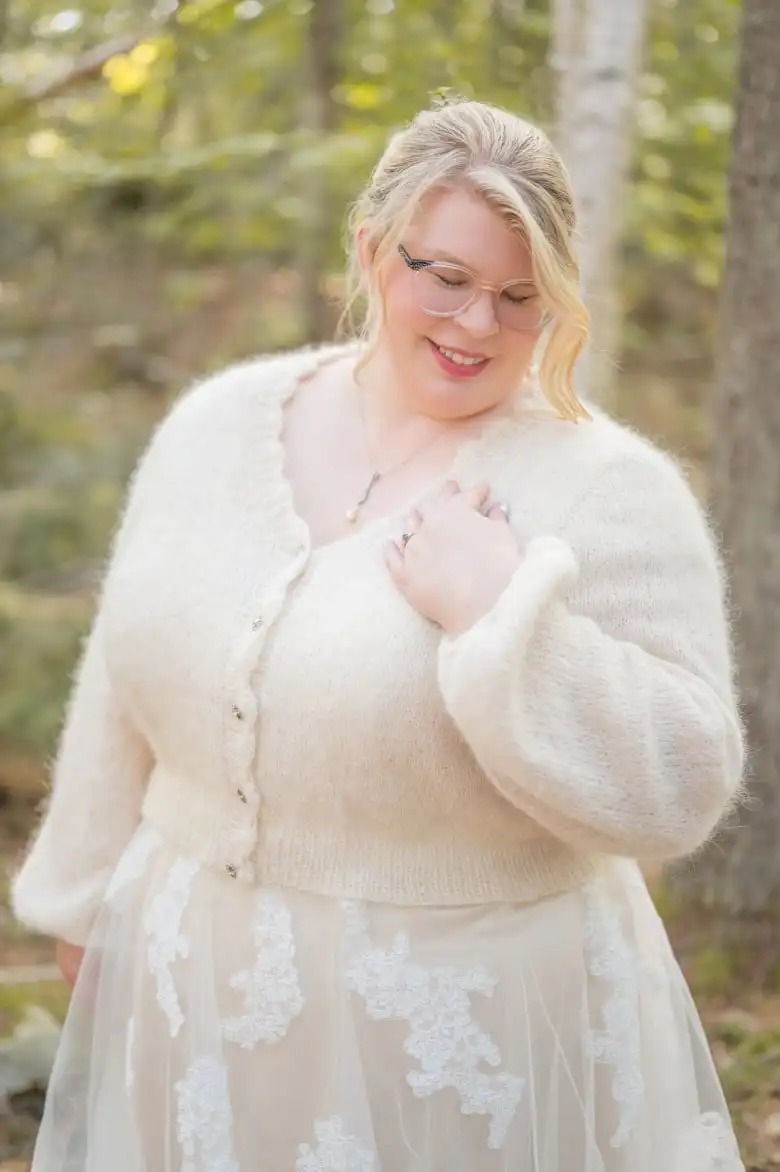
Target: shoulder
<point x="215" y="420"/>
<point x="603" y="455"/>
<point x="637" y="499"/>
<point x="232" y="406"/>
<point x="640" y="471"/>
<point x="256" y="381"/>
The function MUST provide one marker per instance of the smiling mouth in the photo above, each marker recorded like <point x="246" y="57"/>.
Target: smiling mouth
<point x="460" y="357"/>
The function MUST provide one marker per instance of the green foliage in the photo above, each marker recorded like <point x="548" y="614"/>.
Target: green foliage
<point x="140" y="196"/>
<point x="39" y="645"/>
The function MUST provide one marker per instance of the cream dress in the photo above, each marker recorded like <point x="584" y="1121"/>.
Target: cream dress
<point x="221" y="1028"/>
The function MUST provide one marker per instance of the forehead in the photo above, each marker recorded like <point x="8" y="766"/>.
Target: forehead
<point x="459" y="226"/>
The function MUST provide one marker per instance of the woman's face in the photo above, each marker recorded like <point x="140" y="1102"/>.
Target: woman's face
<point x="459" y="366"/>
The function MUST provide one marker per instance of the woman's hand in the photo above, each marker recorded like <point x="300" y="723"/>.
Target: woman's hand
<point x="69" y="958"/>
<point x="455" y="557"/>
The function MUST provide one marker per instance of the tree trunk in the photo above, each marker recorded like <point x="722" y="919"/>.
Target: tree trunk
<point x="320" y="117"/>
<point x="739" y="876"/>
<point x="596" y="56"/>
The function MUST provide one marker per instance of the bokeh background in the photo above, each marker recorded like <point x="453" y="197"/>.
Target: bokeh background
<point x="174" y="186"/>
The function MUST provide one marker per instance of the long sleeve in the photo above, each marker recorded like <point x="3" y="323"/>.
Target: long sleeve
<point x="97" y="785"/>
<point x="597" y="693"/>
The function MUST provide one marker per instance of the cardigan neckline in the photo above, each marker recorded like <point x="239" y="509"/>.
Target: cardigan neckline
<point x="468" y="455"/>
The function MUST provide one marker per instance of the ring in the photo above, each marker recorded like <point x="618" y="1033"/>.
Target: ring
<point x="405" y="539"/>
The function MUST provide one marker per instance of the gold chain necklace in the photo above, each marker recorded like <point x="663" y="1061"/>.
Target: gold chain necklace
<point x="353" y="514"/>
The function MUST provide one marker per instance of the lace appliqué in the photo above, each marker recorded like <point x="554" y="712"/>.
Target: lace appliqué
<point x="709" y="1146"/>
<point x="443" y="1035"/>
<point x="336" y="1152"/>
<point x="133" y="862"/>
<point x="271" y="987"/>
<point x="204" y="1120"/>
<point x="610" y="957"/>
<point x="162" y="924"/>
<point x="130" y="1056"/>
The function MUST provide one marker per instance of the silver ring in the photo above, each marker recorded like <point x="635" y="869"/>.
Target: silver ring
<point x="405" y="539"/>
<point x="505" y="510"/>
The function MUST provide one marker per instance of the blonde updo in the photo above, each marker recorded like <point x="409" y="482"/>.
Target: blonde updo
<point x="516" y="169"/>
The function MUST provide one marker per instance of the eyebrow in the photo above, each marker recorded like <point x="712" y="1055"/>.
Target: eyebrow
<point x="456" y="260"/>
<point x="438" y="254"/>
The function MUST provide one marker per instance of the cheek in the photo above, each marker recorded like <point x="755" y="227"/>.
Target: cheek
<point x="402" y="310"/>
<point x="520" y="347"/>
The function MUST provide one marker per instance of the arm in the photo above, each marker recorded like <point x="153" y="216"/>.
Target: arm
<point x="99" y="776"/>
<point x="597" y="692"/>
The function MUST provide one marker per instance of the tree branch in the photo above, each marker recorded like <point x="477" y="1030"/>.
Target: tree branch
<point x="85" y="68"/>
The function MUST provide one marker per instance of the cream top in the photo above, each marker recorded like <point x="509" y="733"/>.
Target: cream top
<point x="281" y="712"/>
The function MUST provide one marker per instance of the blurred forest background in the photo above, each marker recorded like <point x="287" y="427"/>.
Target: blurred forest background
<point x="174" y="186"/>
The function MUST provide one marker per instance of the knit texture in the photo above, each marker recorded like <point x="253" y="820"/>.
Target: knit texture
<point x="281" y="713"/>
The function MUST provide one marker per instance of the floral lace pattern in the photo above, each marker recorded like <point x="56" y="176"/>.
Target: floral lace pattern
<point x="133" y="862"/>
<point x="709" y="1146"/>
<point x="335" y="1152"/>
<point x="162" y="924"/>
<point x="204" y="1121"/>
<point x="443" y="1035"/>
<point x="610" y="957"/>
<point x="271" y="988"/>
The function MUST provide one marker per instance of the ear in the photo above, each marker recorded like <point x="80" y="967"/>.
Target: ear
<point x="365" y="247"/>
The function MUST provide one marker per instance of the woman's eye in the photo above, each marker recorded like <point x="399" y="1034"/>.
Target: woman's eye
<point x="450" y="282"/>
<point x="518" y="298"/>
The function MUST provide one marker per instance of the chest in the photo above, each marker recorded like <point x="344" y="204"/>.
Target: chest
<point x="225" y="573"/>
<point x="338" y="485"/>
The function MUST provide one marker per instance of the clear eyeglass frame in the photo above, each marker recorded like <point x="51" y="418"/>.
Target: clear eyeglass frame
<point x="478" y="287"/>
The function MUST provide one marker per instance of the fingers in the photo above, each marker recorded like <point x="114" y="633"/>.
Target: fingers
<point x="394" y="560"/>
<point x="498" y="512"/>
<point x="477" y="496"/>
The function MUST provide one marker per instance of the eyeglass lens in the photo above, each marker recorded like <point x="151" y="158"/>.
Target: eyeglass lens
<point x="445" y="290"/>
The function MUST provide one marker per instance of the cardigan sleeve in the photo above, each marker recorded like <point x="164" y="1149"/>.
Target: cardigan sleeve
<point x="597" y="693"/>
<point x="97" y="785"/>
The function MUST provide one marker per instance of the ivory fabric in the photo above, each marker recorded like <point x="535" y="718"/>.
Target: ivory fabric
<point x="360" y="897"/>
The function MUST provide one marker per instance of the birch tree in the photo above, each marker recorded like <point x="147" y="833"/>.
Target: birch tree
<point x="596" y="55"/>
<point x="739" y="876"/>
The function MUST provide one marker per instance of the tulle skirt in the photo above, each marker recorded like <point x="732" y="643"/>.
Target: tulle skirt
<point x="220" y="1028"/>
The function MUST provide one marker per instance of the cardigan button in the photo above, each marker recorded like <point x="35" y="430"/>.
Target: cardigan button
<point x="237" y="712"/>
<point x="241" y="795"/>
<point x="257" y="624"/>
<point x="231" y="870"/>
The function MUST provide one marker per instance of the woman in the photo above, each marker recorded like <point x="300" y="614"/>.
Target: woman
<point x="403" y="658"/>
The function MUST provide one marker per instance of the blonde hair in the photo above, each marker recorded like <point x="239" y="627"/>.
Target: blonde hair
<point x="516" y="169"/>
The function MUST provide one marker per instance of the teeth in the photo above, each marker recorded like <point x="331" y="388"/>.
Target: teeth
<point x="460" y="359"/>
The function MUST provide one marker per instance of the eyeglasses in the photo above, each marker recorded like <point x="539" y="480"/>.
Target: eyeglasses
<point x="447" y="290"/>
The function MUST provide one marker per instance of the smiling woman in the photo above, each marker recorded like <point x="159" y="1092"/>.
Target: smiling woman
<point x="403" y="660"/>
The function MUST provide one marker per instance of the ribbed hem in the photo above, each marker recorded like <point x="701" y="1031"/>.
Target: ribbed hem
<point x="328" y="861"/>
<point x="419" y="873"/>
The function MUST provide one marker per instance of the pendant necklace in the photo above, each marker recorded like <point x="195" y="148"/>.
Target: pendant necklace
<point x="353" y="514"/>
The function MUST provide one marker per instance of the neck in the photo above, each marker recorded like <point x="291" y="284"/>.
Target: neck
<point x="389" y="408"/>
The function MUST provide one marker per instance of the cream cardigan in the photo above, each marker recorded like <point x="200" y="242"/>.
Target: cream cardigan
<point x="282" y="714"/>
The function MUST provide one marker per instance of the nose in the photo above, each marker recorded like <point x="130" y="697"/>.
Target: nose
<point x="479" y="318"/>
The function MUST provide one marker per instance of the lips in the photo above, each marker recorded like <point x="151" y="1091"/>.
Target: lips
<point x="459" y="363"/>
<point x="449" y="351"/>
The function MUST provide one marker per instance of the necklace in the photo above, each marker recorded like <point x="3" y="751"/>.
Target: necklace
<point x="353" y="514"/>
